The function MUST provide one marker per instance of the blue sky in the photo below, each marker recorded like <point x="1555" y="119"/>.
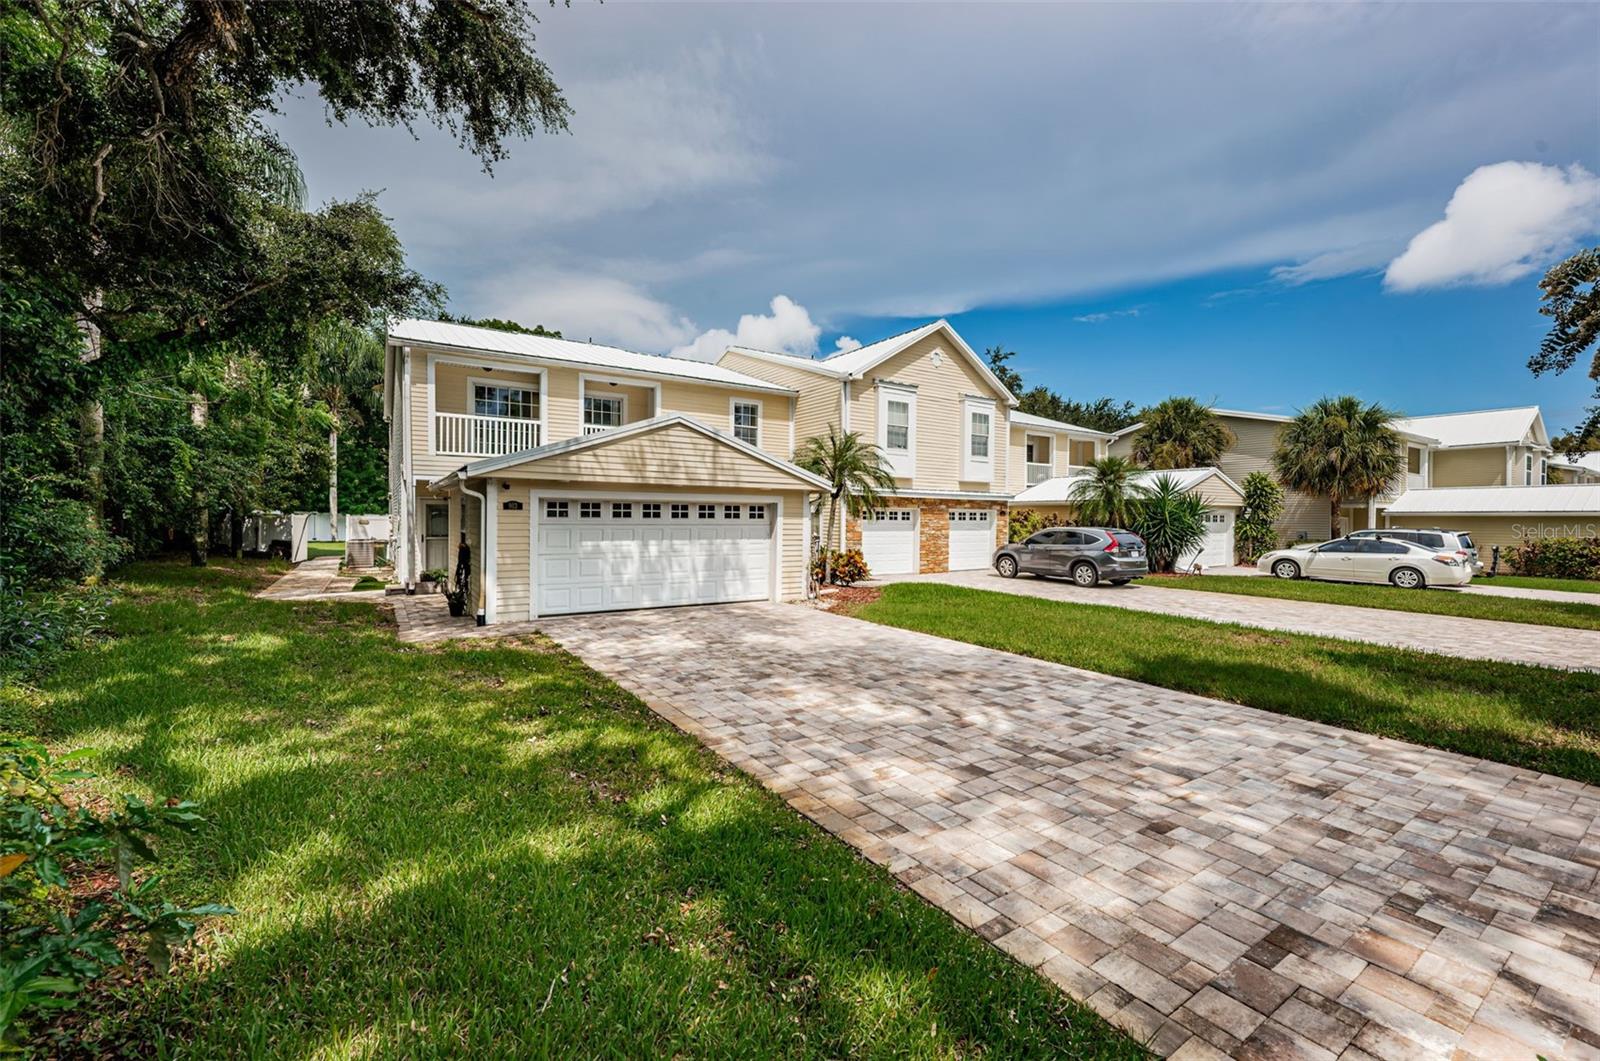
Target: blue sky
<point x="1295" y="199"/>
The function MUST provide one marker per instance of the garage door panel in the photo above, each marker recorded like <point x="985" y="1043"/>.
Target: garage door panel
<point x="889" y="541"/>
<point x="618" y="556"/>
<point x="971" y="538"/>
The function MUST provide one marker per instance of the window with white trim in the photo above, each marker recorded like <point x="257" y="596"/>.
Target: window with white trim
<point x="1527" y="470"/>
<point x="708" y="511"/>
<point x="555" y="510"/>
<point x="588" y="510"/>
<point x="621" y="510"/>
<point x="747" y="422"/>
<point x="494" y="399"/>
<point x="730" y="511"/>
<point x="650" y="510"/>
<point x="897" y="425"/>
<point x="757" y="511"/>
<point x="979" y="445"/>
<point x="602" y="411"/>
<point x="680" y="511"/>
<point x="1080" y="452"/>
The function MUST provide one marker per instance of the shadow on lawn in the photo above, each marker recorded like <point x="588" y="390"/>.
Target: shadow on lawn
<point x="479" y="848"/>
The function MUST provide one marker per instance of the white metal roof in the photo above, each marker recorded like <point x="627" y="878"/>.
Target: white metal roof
<point x="489" y="465"/>
<point x="1020" y="419"/>
<point x="855" y="364"/>
<point x="468" y="337"/>
<point x="1589" y="461"/>
<point x="1059" y="490"/>
<point x="1484" y="427"/>
<point x="1564" y="499"/>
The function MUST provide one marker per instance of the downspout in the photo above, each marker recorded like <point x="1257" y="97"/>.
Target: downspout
<point x="844" y="429"/>
<point x="408" y="486"/>
<point x="486" y="543"/>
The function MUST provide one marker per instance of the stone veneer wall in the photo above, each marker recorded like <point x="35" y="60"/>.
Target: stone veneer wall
<point x="933" y="529"/>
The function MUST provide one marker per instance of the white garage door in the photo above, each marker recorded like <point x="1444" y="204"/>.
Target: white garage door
<point x="889" y="541"/>
<point x="971" y="538"/>
<point x="1217" y="551"/>
<point x="605" y="555"/>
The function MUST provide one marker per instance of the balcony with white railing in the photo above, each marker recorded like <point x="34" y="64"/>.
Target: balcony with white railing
<point x="1038" y="473"/>
<point x="466" y="435"/>
<point x="598" y="429"/>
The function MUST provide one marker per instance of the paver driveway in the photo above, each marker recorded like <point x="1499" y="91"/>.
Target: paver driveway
<point x="1209" y="876"/>
<point x="1447" y="635"/>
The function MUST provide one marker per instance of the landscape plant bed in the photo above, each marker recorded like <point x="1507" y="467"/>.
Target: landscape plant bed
<point x="1569" y="614"/>
<point x="1535" y="717"/>
<point x="483" y="848"/>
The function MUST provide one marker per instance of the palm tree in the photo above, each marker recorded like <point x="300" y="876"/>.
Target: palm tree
<point x="347" y="362"/>
<point x="856" y="475"/>
<point x="1340" y="449"/>
<point x="1108" y="495"/>
<point x="1181" y="433"/>
<point x="1172" y="522"/>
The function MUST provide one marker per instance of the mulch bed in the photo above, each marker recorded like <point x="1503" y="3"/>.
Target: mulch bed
<point x="847" y="598"/>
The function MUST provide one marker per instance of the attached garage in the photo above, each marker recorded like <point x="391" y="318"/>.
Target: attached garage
<point x="889" y="541"/>
<point x="972" y="541"/>
<point x="1503" y="516"/>
<point x="658" y="513"/>
<point x="1217" y="549"/>
<point x="604" y="554"/>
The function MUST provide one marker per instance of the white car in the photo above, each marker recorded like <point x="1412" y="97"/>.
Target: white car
<point x="1402" y="564"/>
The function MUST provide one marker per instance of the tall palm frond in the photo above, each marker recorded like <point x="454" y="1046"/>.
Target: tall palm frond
<point x="1109" y="494"/>
<point x="1342" y="449"/>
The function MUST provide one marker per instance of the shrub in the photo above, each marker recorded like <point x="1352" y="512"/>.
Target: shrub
<point x="51" y="850"/>
<point x="848" y="566"/>
<point x="1255" y="531"/>
<point x="1557" y="558"/>
<point x="1026" y="522"/>
<point x="435" y="574"/>
<point x="1171" y="520"/>
<point x="38" y="626"/>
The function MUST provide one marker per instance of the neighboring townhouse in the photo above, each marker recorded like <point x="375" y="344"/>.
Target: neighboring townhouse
<point x="942" y="422"/>
<point x="1488" y="447"/>
<point x="1584" y="469"/>
<point x="1221" y="495"/>
<point x="1503" y="517"/>
<point x="587" y="478"/>
<point x="1305" y="516"/>
<point x="1043" y="449"/>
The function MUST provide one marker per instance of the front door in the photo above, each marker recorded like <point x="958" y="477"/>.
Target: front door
<point x="436" y="536"/>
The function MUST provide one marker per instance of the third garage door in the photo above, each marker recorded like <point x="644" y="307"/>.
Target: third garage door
<point x="971" y="538"/>
<point x="889" y="541"/>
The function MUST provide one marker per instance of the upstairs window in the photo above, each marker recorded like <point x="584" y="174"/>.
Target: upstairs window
<point x="1413" y="460"/>
<point x="980" y="436"/>
<point x="747" y="422"/>
<point x="492" y="399"/>
<point x="602" y="412"/>
<point x="898" y="422"/>
<point x="1080" y="452"/>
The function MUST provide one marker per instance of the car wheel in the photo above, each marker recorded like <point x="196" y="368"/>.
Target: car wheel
<point x="1084" y="573"/>
<point x="1007" y="566"/>
<point x="1408" y="578"/>
<point x="1286" y="569"/>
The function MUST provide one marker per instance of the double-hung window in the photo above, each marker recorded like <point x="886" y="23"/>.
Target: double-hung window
<point x="492" y="399"/>
<point x="899" y="426"/>
<point x="977" y="440"/>
<point x="747" y="421"/>
<point x="979" y="444"/>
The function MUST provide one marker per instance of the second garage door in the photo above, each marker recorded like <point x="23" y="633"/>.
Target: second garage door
<point x="889" y="541"/>
<point x="1217" y="549"/>
<point x="606" y="555"/>
<point x="971" y="538"/>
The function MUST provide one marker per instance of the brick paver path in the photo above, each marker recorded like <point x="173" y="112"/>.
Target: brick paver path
<point x="1445" y="634"/>
<point x="1208" y="876"/>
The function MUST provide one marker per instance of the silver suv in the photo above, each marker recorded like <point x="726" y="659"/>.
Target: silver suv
<point x="1084" y="554"/>
<point x="1457" y="543"/>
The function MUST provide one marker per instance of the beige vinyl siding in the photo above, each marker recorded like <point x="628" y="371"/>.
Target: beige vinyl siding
<point x="817" y="407"/>
<point x="672" y="456"/>
<point x="940" y="390"/>
<point x="638" y="402"/>
<point x="512" y="529"/>
<point x="1470" y="467"/>
<point x="713" y="406"/>
<point x="1252" y="452"/>
<point x="1218" y="494"/>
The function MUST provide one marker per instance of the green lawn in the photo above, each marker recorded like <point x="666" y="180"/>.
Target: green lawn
<point x="316" y="549"/>
<point x="1565" y="585"/>
<point x="482" y="849"/>
<point x="1430" y="601"/>
<point x="1527" y="716"/>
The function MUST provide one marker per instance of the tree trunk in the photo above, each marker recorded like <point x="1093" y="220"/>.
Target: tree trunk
<point x="1334" y="520"/>
<point x="236" y="533"/>
<point x="833" y="536"/>
<point x="92" y="428"/>
<point x="198" y="515"/>
<point x="333" y="481"/>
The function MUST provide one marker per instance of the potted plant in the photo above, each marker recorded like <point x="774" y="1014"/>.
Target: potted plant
<point x="457" y="601"/>
<point x="433" y="580"/>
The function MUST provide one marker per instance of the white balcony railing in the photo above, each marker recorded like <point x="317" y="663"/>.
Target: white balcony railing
<point x="1037" y="473"/>
<point x="595" y="429"/>
<point x="464" y="435"/>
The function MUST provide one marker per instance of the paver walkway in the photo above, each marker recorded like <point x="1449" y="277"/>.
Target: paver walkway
<point x="1208" y="876"/>
<point x="1446" y="634"/>
<point x="317" y="579"/>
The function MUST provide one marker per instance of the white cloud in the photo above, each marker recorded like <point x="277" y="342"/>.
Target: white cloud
<point x="1105" y="315"/>
<point x="845" y="344"/>
<point x="602" y="308"/>
<point x="1363" y="257"/>
<point x="789" y="329"/>
<point x="1504" y="221"/>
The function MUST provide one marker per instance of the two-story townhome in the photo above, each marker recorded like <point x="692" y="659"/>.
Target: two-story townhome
<point x="1489" y="447"/>
<point x="1043" y="449"/>
<point x="942" y="422"/>
<point x="585" y="477"/>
